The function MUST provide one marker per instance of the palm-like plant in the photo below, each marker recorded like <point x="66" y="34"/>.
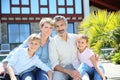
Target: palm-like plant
<point x="100" y="26"/>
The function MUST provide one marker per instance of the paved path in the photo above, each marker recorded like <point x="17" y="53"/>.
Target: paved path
<point x="112" y="71"/>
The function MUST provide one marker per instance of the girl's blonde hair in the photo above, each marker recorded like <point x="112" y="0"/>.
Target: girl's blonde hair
<point x="82" y="36"/>
<point x="34" y="36"/>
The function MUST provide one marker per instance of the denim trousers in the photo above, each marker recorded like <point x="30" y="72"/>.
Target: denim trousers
<point x="36" y="74"/>
<point x="91" y="71"/>
<point x="57" y="75"/>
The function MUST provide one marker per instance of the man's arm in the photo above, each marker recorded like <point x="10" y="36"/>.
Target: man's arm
<point x="73" y="73"/>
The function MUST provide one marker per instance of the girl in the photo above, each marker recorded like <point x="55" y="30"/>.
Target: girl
<point x="86" y="56"/>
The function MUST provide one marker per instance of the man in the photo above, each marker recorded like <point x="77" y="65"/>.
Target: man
<point x="62" y="52"/>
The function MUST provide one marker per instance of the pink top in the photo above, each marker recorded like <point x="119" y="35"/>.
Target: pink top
<point x="84" y="57"/>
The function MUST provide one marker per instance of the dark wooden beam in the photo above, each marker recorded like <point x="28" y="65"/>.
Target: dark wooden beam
<point x="105" y="4"/>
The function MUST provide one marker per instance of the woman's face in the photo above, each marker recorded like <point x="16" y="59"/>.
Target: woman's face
<point x="46" y="29"/>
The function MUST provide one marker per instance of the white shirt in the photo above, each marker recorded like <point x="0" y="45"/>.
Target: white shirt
<point x="63" y="52"/>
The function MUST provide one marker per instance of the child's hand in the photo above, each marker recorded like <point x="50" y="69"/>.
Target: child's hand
<point x="104" y="78"/>
<point x="13" y="78"/>
<point x="2" y="70"/>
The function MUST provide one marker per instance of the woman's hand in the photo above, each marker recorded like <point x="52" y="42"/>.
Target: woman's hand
<point x="50" y="74"/>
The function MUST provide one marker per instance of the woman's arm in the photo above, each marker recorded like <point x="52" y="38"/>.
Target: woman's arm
<point x="11" y="73"/>
<point x="95" y="63"/>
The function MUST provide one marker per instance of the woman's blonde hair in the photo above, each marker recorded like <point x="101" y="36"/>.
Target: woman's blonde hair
<point x="45" y="20"/>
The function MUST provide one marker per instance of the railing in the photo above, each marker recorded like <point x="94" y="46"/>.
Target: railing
<point x="5" y="48"/>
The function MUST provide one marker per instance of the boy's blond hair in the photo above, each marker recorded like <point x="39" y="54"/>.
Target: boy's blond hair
<point x="34" y="36"/>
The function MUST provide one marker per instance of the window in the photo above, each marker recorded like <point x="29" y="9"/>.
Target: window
<point x="18" y="32"/>
<point x="41" y="6"/>
<point x="70" y="28"/>
<point x="34" y="7"/>
<point x="5" y="6"/>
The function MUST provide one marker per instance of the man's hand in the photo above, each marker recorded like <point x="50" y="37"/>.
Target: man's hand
<point x="75" y="75"/>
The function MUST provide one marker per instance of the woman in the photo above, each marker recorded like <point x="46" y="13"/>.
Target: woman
<point x="46" y="26"/>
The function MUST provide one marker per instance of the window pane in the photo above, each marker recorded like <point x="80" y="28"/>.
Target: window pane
<point x="25" y="11"/>
<point x="61" y="2"/>
<point x="18" y="32"/>
<point x="34" y="7"/>
<point x="61" y="10"/>
<point x="78" y="6"/>
<point x="13" y="31"/>
<point x="70" y="28"/>
<point x="15" y="2"/>
<point x="5" y="6"/>
<point x="24" y="32"/>
<point x="43" y="2"/>
<point x="70" y="2"/>
<point x="43" y="10"/>
<point x="52" y="7"/>
<point x="25" y="2"/>
<point x="70" y="10"/>
<point x="15" y="10"/>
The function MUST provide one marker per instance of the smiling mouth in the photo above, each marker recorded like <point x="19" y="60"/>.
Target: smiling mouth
<point x="61" y="31"/>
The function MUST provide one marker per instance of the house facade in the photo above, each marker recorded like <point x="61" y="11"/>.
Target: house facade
<point x="20" y="18"/>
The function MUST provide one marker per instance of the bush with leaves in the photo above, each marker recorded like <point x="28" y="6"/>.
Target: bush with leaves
<point x="116" y="58"/>
<point x="101" y="27"/>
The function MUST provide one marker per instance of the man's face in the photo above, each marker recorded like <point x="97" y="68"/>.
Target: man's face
<point x="60" y="27"/>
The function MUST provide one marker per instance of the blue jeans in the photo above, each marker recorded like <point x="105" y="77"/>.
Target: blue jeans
<point x="92" y="72"/>
<point x="36" y="74"/>
<point x="7" y="77"/>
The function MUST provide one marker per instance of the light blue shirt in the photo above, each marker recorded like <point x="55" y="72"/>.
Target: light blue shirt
<point x="20" y="61"/>
<point x="42" y="52"/>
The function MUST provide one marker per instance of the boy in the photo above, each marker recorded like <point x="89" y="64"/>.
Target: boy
<point x="24" y="58"/>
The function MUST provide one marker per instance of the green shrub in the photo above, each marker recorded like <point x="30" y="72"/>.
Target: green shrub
<point x="116" y="58"/>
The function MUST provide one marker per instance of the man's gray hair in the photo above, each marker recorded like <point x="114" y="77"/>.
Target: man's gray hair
<point x="58" y="18"/>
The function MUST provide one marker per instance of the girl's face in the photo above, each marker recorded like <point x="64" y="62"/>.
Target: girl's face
<point x="81" y="44"/>
<point x="33" y="45"/>
<point x="46" y="29"/>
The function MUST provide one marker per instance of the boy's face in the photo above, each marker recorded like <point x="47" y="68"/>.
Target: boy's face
<point x="33" y="45"/>
<point x="81" y="44"/>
